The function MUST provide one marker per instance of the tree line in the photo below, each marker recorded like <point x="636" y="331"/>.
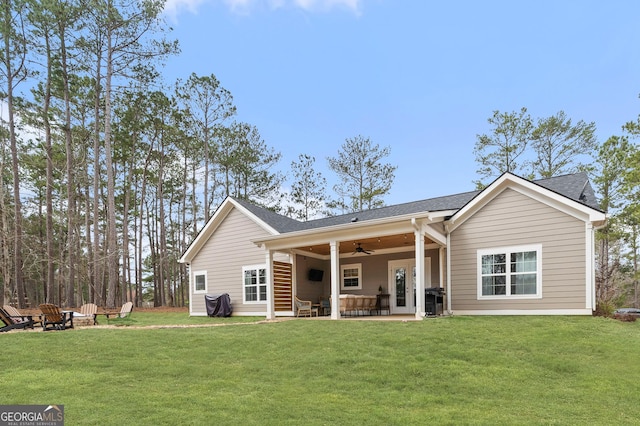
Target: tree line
<point x="108" y="172"/>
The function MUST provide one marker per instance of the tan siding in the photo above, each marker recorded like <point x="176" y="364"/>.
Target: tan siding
<point x="223" y="256"/>
<point x="512" y="219"/>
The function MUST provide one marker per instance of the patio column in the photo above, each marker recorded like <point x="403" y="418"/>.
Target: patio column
<point x="420" y="311"/>
<point x="271" y="314"/>
<point x="449" y="272"/>
<point x="335" y="279"/>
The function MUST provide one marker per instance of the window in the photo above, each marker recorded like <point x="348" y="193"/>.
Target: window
<point x="512" y="272"/>
<point x="351" y="276"/>
<point x="254" y="287"/>
<point x="200" y="282"/>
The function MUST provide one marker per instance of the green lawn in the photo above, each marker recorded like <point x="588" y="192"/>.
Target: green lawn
<point x="460" y="370"/>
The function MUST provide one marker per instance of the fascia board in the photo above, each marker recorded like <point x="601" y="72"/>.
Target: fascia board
<point x="434" y="234"/>
<point x="206" y="231"/>
<point x="261" y="223"/>
<point x="346" y="231"/>
<point x="529" y="189"/>
<point x="214" y="222"/>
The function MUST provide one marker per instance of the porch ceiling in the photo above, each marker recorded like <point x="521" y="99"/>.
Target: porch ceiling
<point x="369" y="244"/>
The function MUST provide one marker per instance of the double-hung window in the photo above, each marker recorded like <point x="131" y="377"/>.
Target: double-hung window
<point x="199" y="281"/>
<point x="351" y="276"/>
<point x="511" y="272"/>
<point x="254" y="287"/>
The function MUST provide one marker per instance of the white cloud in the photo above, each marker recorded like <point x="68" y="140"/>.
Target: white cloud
<point x="174" y="7"/>
<point x="324" y="5"/>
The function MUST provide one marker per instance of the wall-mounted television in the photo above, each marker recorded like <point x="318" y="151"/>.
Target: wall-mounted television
<point x="315" y="274"/>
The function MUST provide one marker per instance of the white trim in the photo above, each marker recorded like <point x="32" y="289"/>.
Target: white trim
<point x="348" y="231"/>
<point x="412" y="293"/>
<point x="244" y="295"/>
<point x="530" y="189"/>
<point x="590" y="284"/>
<point x="249" y="314"/>
<point x="525" y="312"/>
<point x="206" y="282"/>
<point x="270" y="290"/>
<point x="420" y="265"/>
<point x="448" y="291"/>
<point x="357" y="266"/>
<point x="507" y="251"/>
<point x="348" y="255"/>
<point x="254" y="218"/>
<point x="335" y="279"/>
<point x="214" y="221"/>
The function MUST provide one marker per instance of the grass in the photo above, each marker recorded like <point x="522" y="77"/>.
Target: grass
<point x="460" y="370"/>
<point x="151" y="318"/>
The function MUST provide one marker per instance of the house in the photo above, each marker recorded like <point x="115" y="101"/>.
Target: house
<point x="517" y="247"/>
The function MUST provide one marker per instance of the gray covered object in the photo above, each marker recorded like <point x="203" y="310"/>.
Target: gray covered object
<point x="218" y="305"/>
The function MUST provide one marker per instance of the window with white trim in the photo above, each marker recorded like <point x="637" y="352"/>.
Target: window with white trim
<point x="200" y="282"/>
<point x="254" y="286"/>
<point x="351" y="276"/>
<point x="510" y="272"/>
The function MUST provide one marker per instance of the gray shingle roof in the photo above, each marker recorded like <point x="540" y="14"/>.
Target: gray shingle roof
<point x="573" y="186"/>
<point x="277" y="221"/>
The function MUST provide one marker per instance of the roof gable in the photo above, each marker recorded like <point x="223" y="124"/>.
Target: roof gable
<point x="571" y="194"/>
<point x="258" y="215"/>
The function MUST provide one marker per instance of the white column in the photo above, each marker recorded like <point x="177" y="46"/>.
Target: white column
<point x="271" y="314"/>
<point x="449" y="272"/>
<point x="420" y="309"/>
<point x="441" y="266"/>
<point x="590" y="261"/>
<point x="335" y="279"/>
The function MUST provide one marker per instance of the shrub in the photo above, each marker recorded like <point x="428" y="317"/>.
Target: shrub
<point x="604" y="309"/>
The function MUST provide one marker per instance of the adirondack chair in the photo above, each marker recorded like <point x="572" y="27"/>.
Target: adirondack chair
<point x="124" y="311"/>
<point x="15" y="313"/>
<point x="14" y="322"/>
<point x="89" y="310"/>
<point x="55" y="319"/>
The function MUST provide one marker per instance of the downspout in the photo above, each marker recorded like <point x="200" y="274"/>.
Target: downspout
<point x="448" y="271"/>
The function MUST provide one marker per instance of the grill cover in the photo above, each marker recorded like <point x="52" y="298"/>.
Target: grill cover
<point x="218" y="305"/>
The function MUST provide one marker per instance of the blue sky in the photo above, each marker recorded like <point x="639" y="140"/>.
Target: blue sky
<point x="419" y="76"/>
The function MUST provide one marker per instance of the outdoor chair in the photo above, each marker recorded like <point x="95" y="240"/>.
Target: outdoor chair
<point x="12" y="322"/>
<point x="325" y="305"/>
<point x="305" y="307"/>
<point x="55" y="319"/>
<point x="89" y="310"/>
<point x="372" y="303"/>
<point x="347" y="304"/>
<point x="15" y="313"/>
<point x="124" y="311"/>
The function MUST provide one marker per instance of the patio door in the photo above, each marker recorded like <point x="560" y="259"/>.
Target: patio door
<point x="402" y="284"/>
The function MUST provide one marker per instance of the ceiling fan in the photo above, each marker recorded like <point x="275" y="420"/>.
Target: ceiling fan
<point x="359" y="249"/>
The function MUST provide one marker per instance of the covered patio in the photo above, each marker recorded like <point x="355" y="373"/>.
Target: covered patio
<point x="400" y="256"/>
